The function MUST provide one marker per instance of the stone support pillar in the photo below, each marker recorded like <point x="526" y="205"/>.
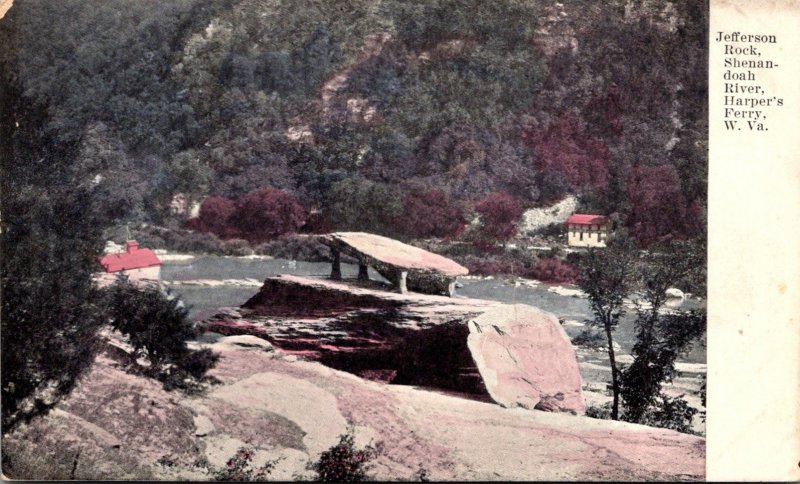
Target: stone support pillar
<point x="336" y="267"/>
<point x="401" y="282"/>
<point x="363" y="272"/>
<point x="451" y="287"/>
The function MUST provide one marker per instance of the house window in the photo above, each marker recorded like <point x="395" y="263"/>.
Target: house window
<point x="581" y="235"/>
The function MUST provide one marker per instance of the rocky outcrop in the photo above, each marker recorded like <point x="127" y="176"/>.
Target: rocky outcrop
<point x="526" y="359"/>
<point x="290" y="412"/>
<point x="513" y="355"/>
<point x="405" y="266"/>
<point x="557" y="213"/>
<point x="675" y="293"/>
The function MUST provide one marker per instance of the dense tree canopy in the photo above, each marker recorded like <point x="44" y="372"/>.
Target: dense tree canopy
<point x="536" y="99"/>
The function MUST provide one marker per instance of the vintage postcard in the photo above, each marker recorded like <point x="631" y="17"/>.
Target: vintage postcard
<point x="427" y="240"/>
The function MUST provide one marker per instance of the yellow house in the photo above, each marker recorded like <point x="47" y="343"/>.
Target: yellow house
<point x="587" y="230"/>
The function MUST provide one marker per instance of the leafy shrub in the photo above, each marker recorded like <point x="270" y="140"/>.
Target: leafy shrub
<point x="552" y="230"/>
<point x="590" y="338"/>
<point x="487" y="267"/>
<point x="296" y="248"/>
<point x="197" y="363"/>
<point x="670" y="413"/>
<point x="236" y="247"/>
<point x="660" y="339"/>
<point x="555" y="270"/>
<point x="510" y="262"/>
<point x="492" y="266"/>
<point x="146" y="236"/>
<point x="172" y="238"/>
<point x="192" y="242"/>
<point x="602" y="412"/>
<point x="239" y="468"/>
<point x="343" y="462"/>
<point x="156" y="324"/>
<point x="666" y="413"/>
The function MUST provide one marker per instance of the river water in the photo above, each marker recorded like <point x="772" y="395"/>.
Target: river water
<point x="200" y="299"/>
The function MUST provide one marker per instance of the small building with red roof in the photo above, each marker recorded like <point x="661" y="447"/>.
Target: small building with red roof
<point x="586" y="230"/>
<point x="139" y="264"/>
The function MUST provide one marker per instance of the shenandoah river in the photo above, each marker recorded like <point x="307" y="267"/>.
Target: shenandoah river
<point x="199" y="283"/>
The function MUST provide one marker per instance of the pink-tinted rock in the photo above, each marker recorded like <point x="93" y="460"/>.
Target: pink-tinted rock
<point x="417" y="339"/>
<point x="397" y="253"/>
<point x="526" y="359"/>
<point x="406" y="266"/>
<point x="233" y="328"/>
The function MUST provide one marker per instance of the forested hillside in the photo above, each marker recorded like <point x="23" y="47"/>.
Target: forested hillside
<point x="360" y="109"/>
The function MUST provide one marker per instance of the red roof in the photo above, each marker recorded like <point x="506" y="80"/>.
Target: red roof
<point x="584" y="219"/>
<point x="132" y="258"/>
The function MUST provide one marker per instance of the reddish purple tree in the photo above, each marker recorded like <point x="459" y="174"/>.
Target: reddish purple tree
<point x="564" y="146"/>
<point x="430" y="214"/>
<point x="659" y="211"/>
<point x="267" y="213"/>
<point x="215" y="217"/>
<point x="555" y="270"/>
<point x="499" y="213"/>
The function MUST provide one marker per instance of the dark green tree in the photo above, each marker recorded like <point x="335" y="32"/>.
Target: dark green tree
<point x="660" y="338"/>
<point x="356" y="203"/>
<point x="607" y="278"/>
<point x="49" y="244"/>
<point x="155" y="323"/>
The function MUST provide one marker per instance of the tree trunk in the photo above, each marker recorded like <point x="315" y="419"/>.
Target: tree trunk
<point x="614" y="380"/>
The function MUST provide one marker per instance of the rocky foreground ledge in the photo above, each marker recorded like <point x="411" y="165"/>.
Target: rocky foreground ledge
<point x="517" y="356"/>
<point x="278" y="393"/>
<point x="122" y="426"/>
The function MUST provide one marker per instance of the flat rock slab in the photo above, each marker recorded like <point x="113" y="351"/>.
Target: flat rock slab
<point x="395" y="253"/>
<point x="313" y="409"/>
<point x="290" y="296"/>
<point x="406" y="266"/>
<point x="526" y="359"/>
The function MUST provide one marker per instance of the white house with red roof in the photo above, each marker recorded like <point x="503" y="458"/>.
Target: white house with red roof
<point x="585" y="230"/>
<point x="142" y="266"/>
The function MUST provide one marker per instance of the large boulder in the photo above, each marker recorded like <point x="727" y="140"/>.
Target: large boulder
<point x="514" y="355"/>
<point x="526" y="359"/>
